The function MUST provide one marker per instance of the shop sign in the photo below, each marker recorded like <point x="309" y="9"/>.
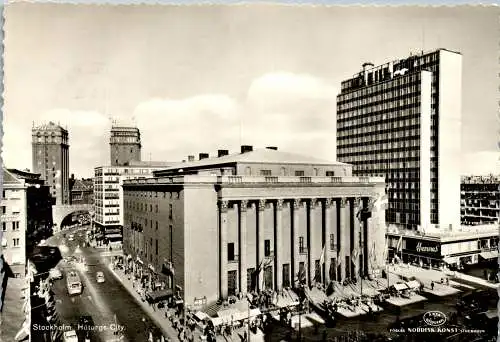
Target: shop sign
<point x="427" y="249"/>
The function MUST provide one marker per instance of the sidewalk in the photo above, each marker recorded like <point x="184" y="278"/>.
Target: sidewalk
<point x="12" y="316"/>
<point x="158" y="316"/>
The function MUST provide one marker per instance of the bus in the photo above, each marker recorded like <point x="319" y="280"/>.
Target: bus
<point x="73" y="283"/>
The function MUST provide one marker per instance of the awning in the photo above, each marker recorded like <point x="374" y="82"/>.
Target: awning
<point x="413" y="284"/>
<point x="489" y="255"/>
<point x="157" y="296"/>
<point x="216" y="321"/>
<point x="450" y="260"/>
<point x="400" y="286"/>
<point x="200" y="315"/>
<point x="114" y="236"/>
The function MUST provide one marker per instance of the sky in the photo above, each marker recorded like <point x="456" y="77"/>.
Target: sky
<point x="201" y="78"/>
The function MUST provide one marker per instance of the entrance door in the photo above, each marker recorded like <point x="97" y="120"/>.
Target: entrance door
<point x="231" y="282"/>
<point x="268" y="277"/>
<point x="286" y="275"/>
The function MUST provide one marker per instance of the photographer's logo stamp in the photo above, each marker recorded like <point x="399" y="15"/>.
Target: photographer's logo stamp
<point x="435" y="318"/>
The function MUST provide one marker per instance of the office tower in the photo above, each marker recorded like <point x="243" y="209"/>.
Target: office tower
<point x="125" y="145"/>
<point x="50" y="152"/>
<point x="402" y="120"/>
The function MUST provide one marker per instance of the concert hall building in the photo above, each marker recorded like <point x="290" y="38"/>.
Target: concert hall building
<point x="206" y="226"/>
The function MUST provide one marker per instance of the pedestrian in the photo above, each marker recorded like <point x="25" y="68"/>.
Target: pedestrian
<point x="432" y="285"/>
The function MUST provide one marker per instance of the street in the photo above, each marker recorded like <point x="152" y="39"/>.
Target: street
<point x="115" y="314"/>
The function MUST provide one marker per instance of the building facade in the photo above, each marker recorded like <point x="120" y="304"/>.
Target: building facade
<point x="108" y="195"/>
<point x="50" y="153"/>
<point x="251" y="221"/>
<point x="465" y="246"/>
<point x="82" y="191"/>
<point x="402" y="120"/>
<point x="480" y="200"/>
<point x="125" y="145"/>
<point x="26" y="212"/>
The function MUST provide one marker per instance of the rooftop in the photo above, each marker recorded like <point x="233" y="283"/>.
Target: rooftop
<point x="265" y="156"/>
<point x="49" y="126"/>
<point x="14" y="176"/>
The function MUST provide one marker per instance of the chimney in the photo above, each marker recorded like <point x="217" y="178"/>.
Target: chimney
<point x="190" y="158"/>
<point x="272" y="148"/>
<point x="246" y="148"/>
<point x="203" y="156"/>
<point x="222" y="153"/>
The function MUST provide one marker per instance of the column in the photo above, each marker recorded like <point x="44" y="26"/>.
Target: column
<point x="260" y="239"/>
<point x="295" y="240"/>
<point x="327" y="206"/>
<point x="243" y="246"/>
<point x="223" y="248"/>
<point x="357" y="205"/>
<point x="278" y="245"/>
<point x="344" y="237"/>
<point x="311" y="267"/>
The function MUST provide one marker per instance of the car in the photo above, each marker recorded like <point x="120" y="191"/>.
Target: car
<point x="55" y="273"/>
<point x="100" y="277"/>
<point x="70" y="336"/>
<point x="71" y="237"/>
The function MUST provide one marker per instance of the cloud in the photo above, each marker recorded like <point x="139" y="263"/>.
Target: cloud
<point x="293" y="112"/>
<point x="174" y="128"/>
<point x="88" y="138"/>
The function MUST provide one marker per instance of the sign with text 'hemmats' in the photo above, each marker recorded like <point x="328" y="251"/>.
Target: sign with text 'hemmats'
<point x="423" y="247"/>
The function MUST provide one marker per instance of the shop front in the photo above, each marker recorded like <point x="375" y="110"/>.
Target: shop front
<point x="419" y="252"/>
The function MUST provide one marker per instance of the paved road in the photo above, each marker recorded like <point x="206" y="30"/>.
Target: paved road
<point x="110" y="305"/>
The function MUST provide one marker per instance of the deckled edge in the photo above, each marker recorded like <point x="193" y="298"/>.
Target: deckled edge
<point x="1" y="135"/>
<point x="285" y="3"/>
<point x="498" y="163"/>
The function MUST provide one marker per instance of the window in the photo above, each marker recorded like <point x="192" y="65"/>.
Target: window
<point x="301" y="245"/>
<point x="330" y="173"/>
<point x="265" y="172"/>
<point x="156" y="225"/>
<point x="4" y="209"/>
<point x="230" y="251"/>
<point x="4" y="226"/>
<point x="267" y="248"/>
<point x="170" y="209"/>
<point x="332" y="242"/>
<point x="156" y="207"/>
<point x="16" y="242"/>
<point x="299" y="173"/>
<point x="156" y="247"/>
<point x="15" y="225"/>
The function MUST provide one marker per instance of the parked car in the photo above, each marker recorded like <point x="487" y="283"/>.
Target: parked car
<point x="55" y="273"/>
<point x="100" y="277"/>
<point x="70" y="336"/>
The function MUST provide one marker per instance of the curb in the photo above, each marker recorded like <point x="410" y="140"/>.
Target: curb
<point x="141" y="304"/>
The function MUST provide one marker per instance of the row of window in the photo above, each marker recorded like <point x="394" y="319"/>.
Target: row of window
<point x="14" y="225"/>
<point x="15" y="243"/>
<point x="359" y="126"/>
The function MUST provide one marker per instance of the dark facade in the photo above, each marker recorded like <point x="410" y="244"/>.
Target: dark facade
<point x="50" y="158"/>
<point x="125" y="145"/>
<point x="480" y="200"/>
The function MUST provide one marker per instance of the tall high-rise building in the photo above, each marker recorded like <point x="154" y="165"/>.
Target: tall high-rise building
<point x="125" y="145"/>
<point x="402" y="120"/>
<point x="50" y="152"/>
